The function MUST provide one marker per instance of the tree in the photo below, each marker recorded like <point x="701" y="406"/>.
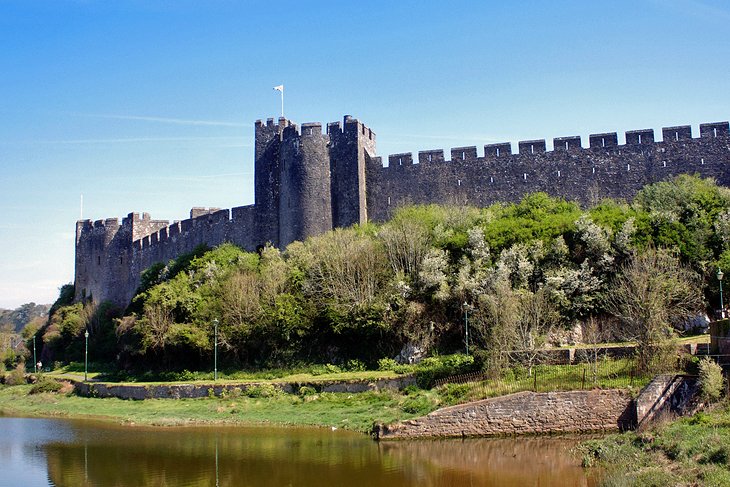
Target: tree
<point x="653" y="293"/>
<point x="536" y="318"/>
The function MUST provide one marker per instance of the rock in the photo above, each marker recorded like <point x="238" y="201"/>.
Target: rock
<point x="410" y="354"/>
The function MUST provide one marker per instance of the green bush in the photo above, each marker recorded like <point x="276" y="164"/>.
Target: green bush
<point x="387" y="364"/>
<point x="307" y="391"/>
<point x="262" y="390"/>
<point x="454" y="393"/>
<point x="45" y="385"/>
<point x="16" y="376"/>
<point x="432" y="369"/>
<point x="416" y="405"/>
<point x="710" y="379"/>
<point x="355" y="365"/>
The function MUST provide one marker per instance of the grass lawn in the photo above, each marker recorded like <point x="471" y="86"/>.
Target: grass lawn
<point x="688" y="451"/>
<point x="352" y="411"/>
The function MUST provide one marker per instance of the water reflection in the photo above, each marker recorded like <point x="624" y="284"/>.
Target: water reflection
<point x="90" y="454"/>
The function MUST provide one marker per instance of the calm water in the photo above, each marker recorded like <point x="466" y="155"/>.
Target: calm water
<point x="41" y="452"/>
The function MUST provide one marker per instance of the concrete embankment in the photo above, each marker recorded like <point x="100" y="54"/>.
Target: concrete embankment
<point x="183" y="391"/>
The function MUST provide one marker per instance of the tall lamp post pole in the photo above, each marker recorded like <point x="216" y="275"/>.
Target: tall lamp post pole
<point x="215" y="350"/>
<point x="722" y="305"/>
<point x="35" y="363"/>
<point x="86" y="356"/>
<point x="466" y="323"/>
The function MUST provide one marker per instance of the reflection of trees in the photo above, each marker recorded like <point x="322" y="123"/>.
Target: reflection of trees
<point x="123" y="457"/>
<point x="489" y="462"/>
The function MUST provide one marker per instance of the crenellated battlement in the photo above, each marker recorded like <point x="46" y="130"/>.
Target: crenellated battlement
<point x="308" y="181"/>
<point x="607" y="141"/>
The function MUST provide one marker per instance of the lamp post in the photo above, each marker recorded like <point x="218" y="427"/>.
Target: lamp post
<point x="722" y="305"/>
<point x="215" y="350"/>
<point x="35" y="363"/>
<point x="86" y="356"/>
<point x="466" y="323"/>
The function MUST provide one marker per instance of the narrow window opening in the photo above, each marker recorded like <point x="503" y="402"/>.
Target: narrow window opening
<point x="628" y="167"/>
<point x="98" y="260"/>
<point x="665" y="163"/>
<point x="388" y="200"/>
<point x="532" y="149"/>
<point x="400" y="161"/>
<point x="491" y="179"/>
<point x="558" y="173"/>
<point x="603" y="142"/>
<point x="714" y="132"/>
<point x="702" y="161"/>
<point x="566" y="147"/>
<point x="459" y="182"/>
<point x="524" y="176"/>
<point x="594" y="170"/>
<point x="429" y="158"/>
<point x="497" y="151"/>
<point x="463" y="155"/>
<point x="676" y="135"/>
<point x="639" y="138"/>
<point x="121" y="260"/>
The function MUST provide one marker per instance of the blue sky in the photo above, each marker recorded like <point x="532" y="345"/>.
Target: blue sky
<point x="149" y="105"/>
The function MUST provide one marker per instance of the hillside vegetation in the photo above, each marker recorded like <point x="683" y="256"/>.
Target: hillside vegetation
<point x="356" y="297"/>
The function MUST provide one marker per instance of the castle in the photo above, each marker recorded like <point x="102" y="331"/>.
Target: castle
<point x="308" y="182"/>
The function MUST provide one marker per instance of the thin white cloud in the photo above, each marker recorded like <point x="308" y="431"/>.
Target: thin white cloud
<point x="126" y="140"/>
<point x="174" y="121"/>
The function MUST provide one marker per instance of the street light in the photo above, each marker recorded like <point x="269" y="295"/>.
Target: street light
<point x="722" y="306"/>
<point x="86" y="356"/>
<point x="215" y="350"/>
<point x="466" y="323"/>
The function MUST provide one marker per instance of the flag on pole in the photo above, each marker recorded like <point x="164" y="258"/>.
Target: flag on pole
<point x="280" y="89"/>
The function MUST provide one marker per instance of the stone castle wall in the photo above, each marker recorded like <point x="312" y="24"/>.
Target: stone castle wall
<point x="308" y="182"/>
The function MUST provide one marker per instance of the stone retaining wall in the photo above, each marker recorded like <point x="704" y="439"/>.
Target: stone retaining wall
<point x="183" y="391"/>
<point x="522" y="413"/>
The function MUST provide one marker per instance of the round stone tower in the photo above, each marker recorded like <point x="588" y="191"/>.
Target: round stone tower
<point x="305" y="207"/>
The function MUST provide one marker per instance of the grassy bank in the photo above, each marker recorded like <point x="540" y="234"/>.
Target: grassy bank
<point x="688" y="451"/>
<point x="352" y="411"/>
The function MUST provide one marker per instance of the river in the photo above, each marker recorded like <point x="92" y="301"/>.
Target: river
<point x="78" y="453"/>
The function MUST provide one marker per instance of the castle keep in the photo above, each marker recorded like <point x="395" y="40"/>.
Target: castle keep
<point x="308" y="182"/>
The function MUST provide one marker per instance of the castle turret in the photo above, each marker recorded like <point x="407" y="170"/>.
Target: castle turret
<point x="266" y="177"/>
<point x="352" y="150"/>
<point x="102" y="259"/>
<point x="304" y="195"/>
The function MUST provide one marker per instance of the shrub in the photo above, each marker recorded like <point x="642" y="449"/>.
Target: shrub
<point x="433" y="368"/>
<point x="355" y="365"/>
<point x="416" y="405"/>
<point x="710" y="379"/>
<point x="262" y="390"/>
<point x="45" y="385"/>
<point x="17" y="376"/>
<point x="305" y="391"/>
<point x="454" y="393"/>
<point x="387" y="364"/>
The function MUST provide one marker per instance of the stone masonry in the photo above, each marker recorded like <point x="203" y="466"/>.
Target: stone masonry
<point x="308" y="182"/>
<point x="522" y="413"/>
